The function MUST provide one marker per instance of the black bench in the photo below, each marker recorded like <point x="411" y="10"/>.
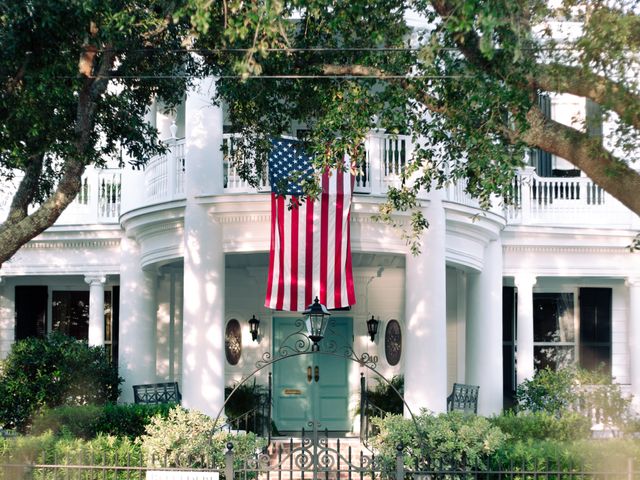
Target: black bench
<point x="157" y="393"/>
<point x="463" y="398"/>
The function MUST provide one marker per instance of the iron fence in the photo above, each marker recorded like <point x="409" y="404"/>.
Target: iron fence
<point x="298" y="459"/>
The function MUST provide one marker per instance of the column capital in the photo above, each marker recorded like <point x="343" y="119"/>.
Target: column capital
<point x="95" y="279"/>
<point x="524" y="280"/>
<point x="632" y="281"/>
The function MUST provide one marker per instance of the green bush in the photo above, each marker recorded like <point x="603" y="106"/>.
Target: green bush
<point x="543" y="426"/>
<point x="610" y="455"/>
<point x="52" y="450"/>
<point x="189" y="439"/>
<point x="569" y="390"/>
<point x="53" y="371"/>
<point x="245" y="398"/>
<point x="550" y="391"/>
<point x="88" y="421"/>
<point x="385" y="397"/>
<point x="447" y="440"/>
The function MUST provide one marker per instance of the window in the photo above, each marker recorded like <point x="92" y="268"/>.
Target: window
<point x="554" y="339"/>
<point x="566" y="334"/>
<point x="70" y="313"/>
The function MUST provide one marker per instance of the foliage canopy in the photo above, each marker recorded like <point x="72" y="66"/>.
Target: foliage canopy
<point x="464" y="77"/>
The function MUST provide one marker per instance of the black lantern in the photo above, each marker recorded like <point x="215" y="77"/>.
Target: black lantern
<point x="316" y="322"/>
<point x="254" y="323"/>
<point x="372" y="327"/>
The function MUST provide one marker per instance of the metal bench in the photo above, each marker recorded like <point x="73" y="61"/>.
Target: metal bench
<point x="157" y="393"/>
<point x="463" y="398"/>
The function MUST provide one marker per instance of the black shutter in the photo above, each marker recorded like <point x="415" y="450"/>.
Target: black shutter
<point x="595" y="328"/>
<point x="593" y="117"/>
<point x="540" y="159"/>
<point x="31" y="311"/>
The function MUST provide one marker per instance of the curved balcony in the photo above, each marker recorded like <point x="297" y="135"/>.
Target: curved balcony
<point x="559" y="201"/>
<point x="98" y="201"/>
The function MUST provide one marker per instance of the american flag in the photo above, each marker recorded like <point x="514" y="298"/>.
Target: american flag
<point x="310" y="250"/>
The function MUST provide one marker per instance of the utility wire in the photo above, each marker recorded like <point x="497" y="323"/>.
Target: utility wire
<point x="276" y="77"/>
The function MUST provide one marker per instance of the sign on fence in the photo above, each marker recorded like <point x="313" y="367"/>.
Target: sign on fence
<point x="181" y="475"/>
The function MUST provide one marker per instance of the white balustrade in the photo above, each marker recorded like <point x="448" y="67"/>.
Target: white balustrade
<point x="564" y="201"/>
<point x="457" y="192"/>
<point x="574" y="201"/>
<point x="234" y="161"/>
<point x="385" y="158"/>
<point x="164" y="174"/>
<point x="98" y="200"/>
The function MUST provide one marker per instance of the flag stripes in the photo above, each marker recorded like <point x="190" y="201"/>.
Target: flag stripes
<point x="310" y="253"/>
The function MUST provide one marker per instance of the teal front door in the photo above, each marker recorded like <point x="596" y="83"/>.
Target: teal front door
<point x="311" y="386"/>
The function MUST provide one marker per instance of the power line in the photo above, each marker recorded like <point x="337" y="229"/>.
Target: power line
<point x="278" y="77"/>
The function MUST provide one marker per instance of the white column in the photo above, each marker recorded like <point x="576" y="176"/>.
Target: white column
<point x="425" y="335"/>
<point x="203" y="320"/>
<point x="203" y="142"/>
<point x="137" y="332"/>
<point x="484" y="331"/>
<point x="524" y="327"/>
<point x="96" y="309"/>
<point x="634" y="339"/>
<point x="7" y="318"/>
<point x="204" y="266"/>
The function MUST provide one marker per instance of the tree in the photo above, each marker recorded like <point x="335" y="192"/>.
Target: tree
<point x="74" y="92"/>
<point x="467" y="83"/>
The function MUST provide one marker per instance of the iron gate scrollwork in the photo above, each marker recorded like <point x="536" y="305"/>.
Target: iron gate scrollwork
<point x="314" y="452"/>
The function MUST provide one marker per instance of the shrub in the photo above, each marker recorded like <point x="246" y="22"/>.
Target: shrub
<point x="48" y="449"/>
<point x="244" y="399"/>
<point x="543" y="426"/>
<point x="574" y="390"/>
<point x="88" y="421"/>
<point x="385" y="397"/>
<point x="188" y="439"/>
<point x="550" y="391"/>
<point x="53" y="371"/>
<point x="447" y="439"/>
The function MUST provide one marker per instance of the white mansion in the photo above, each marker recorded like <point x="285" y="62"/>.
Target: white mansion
<point x="165" y="266"/>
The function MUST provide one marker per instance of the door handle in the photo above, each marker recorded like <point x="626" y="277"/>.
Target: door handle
<point x="317" y="374"/>
<point x="309" y="374"/>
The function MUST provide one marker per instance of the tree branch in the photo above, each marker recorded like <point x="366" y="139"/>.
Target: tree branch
<point x="32" y="225"/>
<point x="577" y="81"/>
<point x="26" y="191"/>
<point x="586" y="153"/>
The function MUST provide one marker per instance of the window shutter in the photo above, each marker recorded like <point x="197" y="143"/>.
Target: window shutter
<point x="593" y="116"/>
<point x="540" y="159"/>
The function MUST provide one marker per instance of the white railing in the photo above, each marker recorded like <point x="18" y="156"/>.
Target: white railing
<point x="457" y="192"/>
<point x="571" y="201"/>
<point x="98" y="200"/>
<point x="164" y="174"/>
<point x="233" y="161"/>
<point x="385" y="158"/>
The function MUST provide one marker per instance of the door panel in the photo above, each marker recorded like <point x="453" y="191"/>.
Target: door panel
<point x="312" y="386"/>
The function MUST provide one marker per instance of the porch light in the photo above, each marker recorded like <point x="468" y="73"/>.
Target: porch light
<point x="254" y="323"/>
<point x="316" y="322"/>
<point x="372" y="327"/>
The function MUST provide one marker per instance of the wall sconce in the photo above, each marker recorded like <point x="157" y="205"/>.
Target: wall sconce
<point x="254" y="323"/>
<point x="372" y="327"/>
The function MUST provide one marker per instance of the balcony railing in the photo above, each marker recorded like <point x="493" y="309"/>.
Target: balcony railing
<point x="537" y="200"/>
<point x="164" y="174"/>
<point x="385" y="158"/>
<point x="574" y="201"/>
<point x="98" y="201"/>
